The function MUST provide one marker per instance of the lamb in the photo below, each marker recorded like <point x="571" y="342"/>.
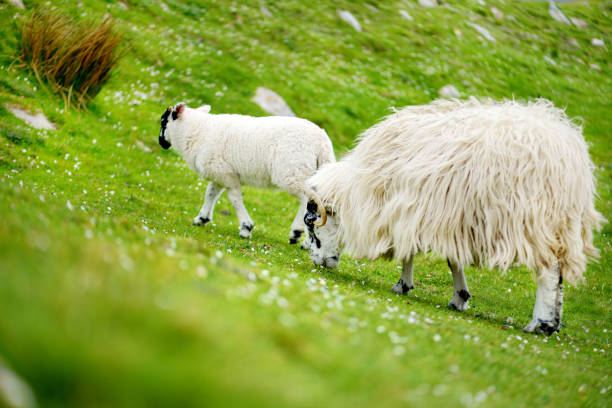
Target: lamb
<point x="478" y="182"/>
<point x="231" y="150"/>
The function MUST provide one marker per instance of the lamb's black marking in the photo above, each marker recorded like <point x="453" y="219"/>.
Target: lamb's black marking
<point x="248" y="227"/>
<point x="464" y="294"/>
<point x="204" y="220"/>
<point x="164" y="122"/>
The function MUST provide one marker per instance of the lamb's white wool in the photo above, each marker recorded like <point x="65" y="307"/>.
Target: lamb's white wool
<point x="232" y="150"/>
<point x="483" y="183"/>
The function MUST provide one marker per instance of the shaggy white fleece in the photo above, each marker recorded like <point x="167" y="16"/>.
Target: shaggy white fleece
<point x="478" y="182"/>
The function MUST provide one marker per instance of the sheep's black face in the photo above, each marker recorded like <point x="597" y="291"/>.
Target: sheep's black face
<point x="323" y="241"/>
<point x="164" y="122"/>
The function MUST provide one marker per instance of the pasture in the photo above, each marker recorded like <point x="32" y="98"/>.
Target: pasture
<point x="110" y="297"/>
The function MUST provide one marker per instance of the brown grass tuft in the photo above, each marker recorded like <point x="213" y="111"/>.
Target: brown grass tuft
<point x="74" y="57"/>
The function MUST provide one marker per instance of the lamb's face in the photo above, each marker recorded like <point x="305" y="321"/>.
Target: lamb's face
<point x="323" y="241"/>
<point x="168" y="117"/>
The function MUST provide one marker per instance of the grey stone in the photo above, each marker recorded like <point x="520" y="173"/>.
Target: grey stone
<point x="38" y="121"/>
<point x="556" y="13"/>
<point x="405" y="14"/>
<point x="578" y="22"/>
<point x="449" y="91"/>
<point x="350" y="19"/>
<point x="483" y="31"/>
<point x="428" y="3"/>
<point x="17" y="3"/>
<point x="272" y="102"/>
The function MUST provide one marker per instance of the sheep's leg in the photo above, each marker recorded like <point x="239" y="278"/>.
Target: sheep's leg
<point x="405" y="283"/>
<point x="297" y="226"/>
<point x="461" y="294"/>
<point x="559" y="302"/>
<point x="548" y="306"/>
<point x="213" y="192"/>
<point x="246" y="224"/>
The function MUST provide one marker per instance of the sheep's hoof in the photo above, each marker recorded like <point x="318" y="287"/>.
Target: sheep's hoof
<point x="458" y="306"/>
<point x="540" y="326"/>
<point x="460" y="301"/>
<point x="245" y="230"/>
<point x="295" y="235"/>
<point x="401" y="287"/>
<point x="199" y="220"/>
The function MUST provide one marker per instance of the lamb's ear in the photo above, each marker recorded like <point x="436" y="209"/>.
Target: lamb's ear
<point x="178" y="110"/>
<point x="204" y="108"/>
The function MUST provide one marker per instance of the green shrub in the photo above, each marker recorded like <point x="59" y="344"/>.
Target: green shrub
<point x="74" y="57"/>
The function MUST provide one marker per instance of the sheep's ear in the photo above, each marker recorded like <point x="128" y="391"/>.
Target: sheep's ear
<point x="204" y="108"/>
<point x="178" y="110"/>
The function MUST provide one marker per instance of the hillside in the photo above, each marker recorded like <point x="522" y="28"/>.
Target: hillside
<point x="110" y="297"/>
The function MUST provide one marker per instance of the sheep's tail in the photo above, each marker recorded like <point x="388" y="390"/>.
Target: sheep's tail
<point x="326" y="155"/>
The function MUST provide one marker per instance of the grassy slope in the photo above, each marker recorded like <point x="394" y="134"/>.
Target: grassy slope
<point x="120" y="302"/>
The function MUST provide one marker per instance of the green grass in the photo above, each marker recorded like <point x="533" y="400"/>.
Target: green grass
<point x="109" y="297"/>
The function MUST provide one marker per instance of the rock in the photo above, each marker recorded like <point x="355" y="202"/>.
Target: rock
<point x="578" y="22"/>
<point x="497" y="13"/>
<point x="14" y="391"/>
<point x="428" y="3"/>
<point x="573" y="42"/>
<point x="350" y="19"/>
<point x="483" y="31"/>
<point x="38" y="121"/>
<point x="595" y="67"/>
<point x="123" y="5"/>
<point x="271" y="102"/>
<point x="598" y="42"/>
<point x="510" y="320"/>
<point x="449" y="91"/>
<point x="405" y="14"/>
<point x="164" y="7"/>
<point x="556" y="13"/>
<point x="265" y="11"/>
<point x="506" y="327"/>
<point x="143" y="147"/>
<point x="458" y="32"/>
<point x="225" y="212"/>
<point x="17" y="3"/>
<point x="550" y="60"/>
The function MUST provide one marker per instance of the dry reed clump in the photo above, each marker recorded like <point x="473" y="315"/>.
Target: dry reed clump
<point x="74" y="57"/>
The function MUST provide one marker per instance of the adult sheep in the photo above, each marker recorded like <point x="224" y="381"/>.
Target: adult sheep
<point x="485" y="183"/>
<point x="231" y="150"/>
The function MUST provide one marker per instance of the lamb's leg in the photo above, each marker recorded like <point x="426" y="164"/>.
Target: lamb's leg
<point x="297" y="226"/>
<point x="213" y="192"/>
<point x="548" y="306"/>
<point x="246" y="224"/>
<point x="461" y="294"/>
<point x="405" y="283"/>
